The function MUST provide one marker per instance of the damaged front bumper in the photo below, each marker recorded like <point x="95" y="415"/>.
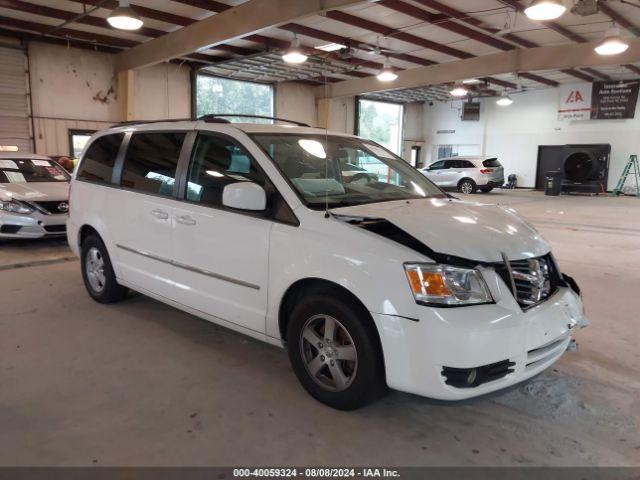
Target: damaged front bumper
<point x="459" y="353"/>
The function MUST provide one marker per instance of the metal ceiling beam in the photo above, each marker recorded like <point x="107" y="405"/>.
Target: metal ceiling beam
<point x="237" y="22"/>
<point x="144" y="12"/>
<point x="330" y="37"/>
<point x="618" y="18"/>
<point x="92" y="39"/>
<point x="395" y="33"/>
<point x="452" y="13"/>
<point x="623" y="22"/>
<point x="555" y="57"/>
<point x="420" y="14"/>
<point x="66" y="15"/>
<point x="565" y="32"/>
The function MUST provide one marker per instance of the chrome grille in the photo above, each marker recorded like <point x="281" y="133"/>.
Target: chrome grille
<point x="532" y="279"/>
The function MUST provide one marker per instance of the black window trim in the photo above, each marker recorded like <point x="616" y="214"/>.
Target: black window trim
<point x="183" y="168"/>
<point x="118" y="169"/>
<point x="121" y="151"/>
<point x="185" y="162"/>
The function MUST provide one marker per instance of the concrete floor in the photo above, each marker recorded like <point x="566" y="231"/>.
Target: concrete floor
<point x="140" y="383"/>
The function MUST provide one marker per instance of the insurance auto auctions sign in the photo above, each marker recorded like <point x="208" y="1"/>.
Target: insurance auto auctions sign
<point x="575" y="101"/>
<point x="598" y="100"/>
<point x="614" y="100"/>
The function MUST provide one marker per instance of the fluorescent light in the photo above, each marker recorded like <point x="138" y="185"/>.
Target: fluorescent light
<point x="8" y="148"/>
<point x="612" y="44"/>
<point x="215" y="173"/>
<point x="295" y="54"/>
<point x="387" y="74"/>
<point x="124" y="17"/>
<point x="505" y="100"/>
<point x="459" y="91"/>
<point x="471" y="81"/>
<point x="545" y="9"/>
<point x="331" y="47"/>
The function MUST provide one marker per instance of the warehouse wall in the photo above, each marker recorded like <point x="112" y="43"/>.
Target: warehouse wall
<point x="295" y="101"/>
<point x="514" y="133"/>
<point x="77" y="89"/>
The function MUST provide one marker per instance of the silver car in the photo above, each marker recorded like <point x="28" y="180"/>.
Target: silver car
<point x="466" y="174"/>
<point x="34" y="193"/>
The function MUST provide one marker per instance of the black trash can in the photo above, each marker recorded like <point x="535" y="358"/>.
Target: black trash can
<point x="553" y="182"/>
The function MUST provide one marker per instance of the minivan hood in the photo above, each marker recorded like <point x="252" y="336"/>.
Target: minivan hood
<point x="36" y="191"/>
<point x="469" y="230"/>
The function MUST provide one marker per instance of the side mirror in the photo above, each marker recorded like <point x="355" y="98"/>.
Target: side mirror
<point x="244" y="196"/>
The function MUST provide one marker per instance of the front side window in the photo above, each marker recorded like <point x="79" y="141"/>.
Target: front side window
<point x="97" y="163"/>
<point x="217" y="162"/>
<point x="151" y="162"/>
<point x="316" y="167"/>
<point x="31" y="171"/>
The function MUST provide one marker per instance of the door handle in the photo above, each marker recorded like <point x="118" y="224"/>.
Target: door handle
<point x="160" y="214"/>
<point x="185" y="220"/>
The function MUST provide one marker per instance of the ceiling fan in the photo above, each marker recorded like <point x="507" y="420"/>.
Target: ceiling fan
<point x="374" y="49"/>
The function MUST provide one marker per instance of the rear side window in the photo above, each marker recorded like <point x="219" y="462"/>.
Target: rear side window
<point x="491" y="162"/>
<point x="97" y="164"/>
<point x="151" y="162"/>
<point x="217" y="162"/>
<point x="466" y="164"/>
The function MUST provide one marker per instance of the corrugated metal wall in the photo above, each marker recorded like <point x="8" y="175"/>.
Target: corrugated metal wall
<point x="15" y="125"/>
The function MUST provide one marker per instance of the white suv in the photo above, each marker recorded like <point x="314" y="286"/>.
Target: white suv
<point x="368" y="282"/>
<point x="466" y="174"/>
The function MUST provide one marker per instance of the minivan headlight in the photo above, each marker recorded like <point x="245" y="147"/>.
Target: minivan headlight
<point x="444" y="285"/>
<point x="14" y="206"/>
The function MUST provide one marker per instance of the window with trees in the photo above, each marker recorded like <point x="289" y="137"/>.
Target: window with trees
<point x="381" y="122"/>
<point x="224" y="95"/>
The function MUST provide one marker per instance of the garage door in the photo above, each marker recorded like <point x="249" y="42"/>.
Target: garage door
<point x="14" y="109"/>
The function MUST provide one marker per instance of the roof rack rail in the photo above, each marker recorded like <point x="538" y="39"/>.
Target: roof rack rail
<point x="219" y="117"/>
<point x="144" y="122"/>
<point x="212" y="118"/>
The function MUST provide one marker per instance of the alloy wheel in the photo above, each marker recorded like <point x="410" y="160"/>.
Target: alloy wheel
<point x="466" y="187"/>
<point x="94" y="266"/>
<point x="328" y="353"/>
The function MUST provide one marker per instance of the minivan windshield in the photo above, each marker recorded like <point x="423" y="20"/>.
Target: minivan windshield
<point x="31" y="171"/>
<point x="321" y="168"/>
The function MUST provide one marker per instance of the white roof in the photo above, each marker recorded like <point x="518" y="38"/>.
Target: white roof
<point x="22" y="156"/>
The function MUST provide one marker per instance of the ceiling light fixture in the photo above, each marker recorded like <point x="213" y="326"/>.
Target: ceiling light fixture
<point x="124" y="17"/>
<point x="505" y="100"/>
<point x="471" y="81"/>
<point x="459" y="91"/>
<point x="294" y="53"/>
<point x="331" y="47"/>
<point x="545" y="9"/>
<point x="613" y="43"/>
<point x="387" y="74"/>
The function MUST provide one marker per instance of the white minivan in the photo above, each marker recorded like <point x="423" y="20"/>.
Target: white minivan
<point x="368" y="281"/>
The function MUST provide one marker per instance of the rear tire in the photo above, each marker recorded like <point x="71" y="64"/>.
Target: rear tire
<point x="486" y="189"/>
<point x="97" y="272"/>
<point x="467" y="186"/>
<point x="334" y="352"/>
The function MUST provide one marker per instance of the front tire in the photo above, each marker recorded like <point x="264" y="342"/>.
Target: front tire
<point x="97" y="272"/>
<point x="334" y="352"/>
<point x="467" y="186"/>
